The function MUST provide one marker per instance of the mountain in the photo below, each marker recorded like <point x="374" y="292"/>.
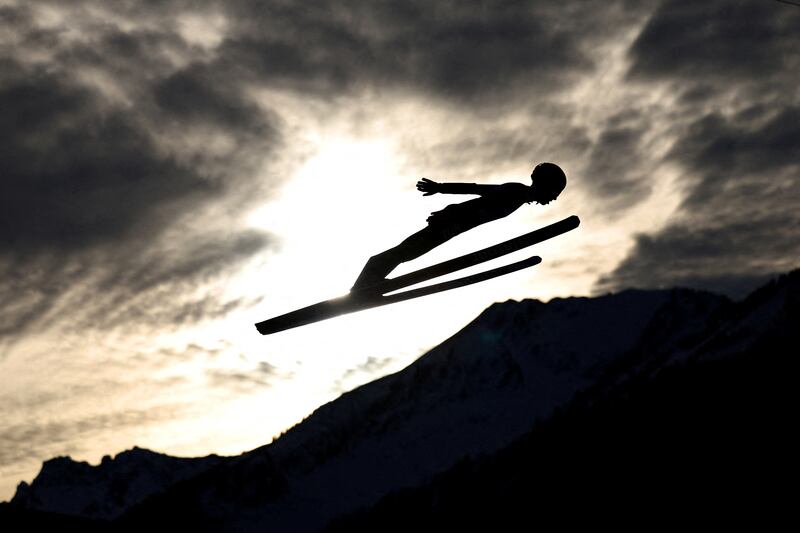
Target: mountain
<point x="105" y="491"/>
<point x="695" y="432"/>
<point x="494" y="415"/>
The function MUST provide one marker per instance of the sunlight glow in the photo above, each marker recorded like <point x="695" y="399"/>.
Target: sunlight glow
<point x="347" y="202"/>
<point x="329" y="215"/>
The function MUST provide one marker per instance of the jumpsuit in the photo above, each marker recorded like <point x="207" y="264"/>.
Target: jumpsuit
<point x="494" y="202"/>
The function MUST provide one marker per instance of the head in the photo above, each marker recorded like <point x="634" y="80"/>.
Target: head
<point x="547" y="182"/>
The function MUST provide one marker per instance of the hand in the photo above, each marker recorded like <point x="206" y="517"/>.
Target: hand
<point x="427" y="186"/>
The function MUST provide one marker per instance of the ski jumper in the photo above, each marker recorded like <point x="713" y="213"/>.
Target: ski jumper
<point x="494" y="202"/>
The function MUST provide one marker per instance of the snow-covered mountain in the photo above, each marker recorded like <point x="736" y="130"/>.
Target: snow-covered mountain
<point x="511" y="369"/>
<point x="107" y="490"/>
<point x="694" y="429"/>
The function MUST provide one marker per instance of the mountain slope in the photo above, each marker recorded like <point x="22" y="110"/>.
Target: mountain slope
<point x="707" y="435"/>
<point x="105" y="491"/>
<point x="474" y="395"/>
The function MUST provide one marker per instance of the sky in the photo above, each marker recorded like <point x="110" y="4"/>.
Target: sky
<point x="174" y="171"/>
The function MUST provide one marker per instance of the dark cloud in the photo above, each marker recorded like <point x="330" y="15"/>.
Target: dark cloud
<point x="726" y="40"/>
<point x="76" y="172"/>
<point x="467" y="52"/>
<point x="756" y="140"/>
<point x="614" y="167"/>
<point x="125" y="54"/>
<point x="110" y="142"/>
<point x="481" y="53"/>
<point x="196" y="95"/>
<point x="738" y="223"/>
<point x="80" y="168"/>
<point x="737" y="124"/>
<point x="731" y="260"/>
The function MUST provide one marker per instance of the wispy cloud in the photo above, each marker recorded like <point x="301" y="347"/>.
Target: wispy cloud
<point x="116" y="139"/>
<point x="737" y="142"/>
<point x="261" y="374"/>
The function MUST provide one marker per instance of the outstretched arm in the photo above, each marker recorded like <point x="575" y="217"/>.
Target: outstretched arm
<point x="428" y="187"/>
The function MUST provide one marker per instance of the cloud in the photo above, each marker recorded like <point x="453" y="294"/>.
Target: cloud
<point x="479" y="54"/>
<point x="263" y="374"/>
<point x="197" y="95"/>
<point x="120" y="130"/>
<point x="370" y="368"/>
<point x="737" y="225"/>
<point x="35" y="441"/>
<point x="760" y="139"/>
<point x="723" y="40"/>
<point x="161" y="285"/>
<point x="189" y="352"/>
<point x="614" y="165"/>
<point x="132" y="142"/>
<point x="736" y="141"/>
<point x="116" y="141"/>
<point x="731" y="260"/>
<point x="493" y="142"/>
<point x="76" y="172"/>
<point x="87" y="162"/>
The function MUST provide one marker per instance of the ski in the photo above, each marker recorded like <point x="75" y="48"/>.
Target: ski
<point x="354" y="302"/>
<point x="474" y="258"/>
<point x="374" y="296"/>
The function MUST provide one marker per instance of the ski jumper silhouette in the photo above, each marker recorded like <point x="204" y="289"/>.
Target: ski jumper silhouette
<point x="372" y="289"/>
<point x="494" y="202"/>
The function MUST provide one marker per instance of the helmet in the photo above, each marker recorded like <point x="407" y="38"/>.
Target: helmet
<point x="548" y="181"/>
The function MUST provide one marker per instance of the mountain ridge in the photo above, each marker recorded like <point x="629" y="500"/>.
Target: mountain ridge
<point x="513" y="367"/>
<point x="707" y="439"/>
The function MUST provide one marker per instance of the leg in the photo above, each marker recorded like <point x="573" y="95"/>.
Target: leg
<point x="379" y="266"/>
